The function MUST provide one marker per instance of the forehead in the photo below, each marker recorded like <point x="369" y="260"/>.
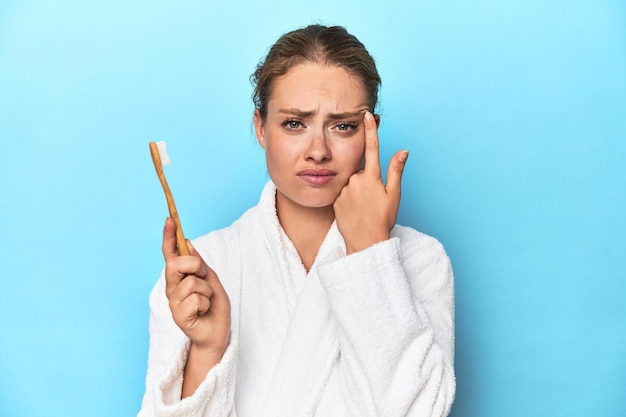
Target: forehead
<point x="310" y="86"/>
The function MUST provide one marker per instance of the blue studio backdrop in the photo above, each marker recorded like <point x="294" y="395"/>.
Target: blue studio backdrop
<point x="515" y="115"/>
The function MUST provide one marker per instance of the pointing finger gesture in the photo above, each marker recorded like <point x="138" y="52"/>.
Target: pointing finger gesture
<point x="372" y="153"/>
<point x="366" y="210"/>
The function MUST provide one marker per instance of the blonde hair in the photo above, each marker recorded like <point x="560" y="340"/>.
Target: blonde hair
<point x="325" y="45"/>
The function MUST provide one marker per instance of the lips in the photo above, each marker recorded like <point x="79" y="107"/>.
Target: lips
<point x="317" y="176"/>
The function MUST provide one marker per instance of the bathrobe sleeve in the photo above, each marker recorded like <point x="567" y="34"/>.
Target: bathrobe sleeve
<point x="394" y="308"/>
<point x="169" y="348"/>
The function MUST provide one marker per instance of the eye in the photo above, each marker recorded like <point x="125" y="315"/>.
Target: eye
<point x="346" y="127"/>
<point x="292" y="124"/>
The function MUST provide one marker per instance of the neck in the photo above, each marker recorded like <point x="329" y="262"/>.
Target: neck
<point x="306" y="227"/>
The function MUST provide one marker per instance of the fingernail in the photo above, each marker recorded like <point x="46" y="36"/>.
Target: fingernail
<point x="403" y="156"/>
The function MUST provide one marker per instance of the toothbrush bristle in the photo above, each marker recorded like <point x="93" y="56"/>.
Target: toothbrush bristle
<point x="161" y="147"/>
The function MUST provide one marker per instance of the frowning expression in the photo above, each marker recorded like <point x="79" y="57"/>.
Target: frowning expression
<point x="313" y="133"/>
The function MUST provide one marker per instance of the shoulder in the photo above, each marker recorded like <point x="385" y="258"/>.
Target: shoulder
<point x="417" y="241"/>
<point x="422" y="253"/>
<point x="218" y="244"/>
<point x="245" y="227"/>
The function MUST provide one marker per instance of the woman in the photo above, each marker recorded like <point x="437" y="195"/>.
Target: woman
<point x="313" y="303"/>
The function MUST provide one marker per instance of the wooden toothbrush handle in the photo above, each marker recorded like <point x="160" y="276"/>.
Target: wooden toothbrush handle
<point x="181" y="242"/>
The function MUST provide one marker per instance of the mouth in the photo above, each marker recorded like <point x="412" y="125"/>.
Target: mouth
<point x="317" y="176"/>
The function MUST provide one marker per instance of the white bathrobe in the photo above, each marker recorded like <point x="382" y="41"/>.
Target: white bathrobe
<point x="370" y="334"/>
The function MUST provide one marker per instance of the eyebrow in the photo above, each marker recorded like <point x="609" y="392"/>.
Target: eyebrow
<point x="335" y="116"/>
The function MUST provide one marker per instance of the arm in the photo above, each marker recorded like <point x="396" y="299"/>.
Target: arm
<point x="392" y="298"/>
<point x="191" y="364"/>
<point x="393" y="303"/>
<point x="167" y="357"/>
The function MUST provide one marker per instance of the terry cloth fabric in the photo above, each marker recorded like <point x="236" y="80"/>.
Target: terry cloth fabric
<point x="369" y="334"/>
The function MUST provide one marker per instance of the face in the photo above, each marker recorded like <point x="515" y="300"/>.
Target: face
<point x="313" y="134"/>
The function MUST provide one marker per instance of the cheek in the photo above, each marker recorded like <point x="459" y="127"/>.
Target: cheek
<point x="280" y="154"/>
<point x="352" y="154"/>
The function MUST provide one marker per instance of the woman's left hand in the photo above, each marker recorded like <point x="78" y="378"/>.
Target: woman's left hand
<point x="366" y="208"/>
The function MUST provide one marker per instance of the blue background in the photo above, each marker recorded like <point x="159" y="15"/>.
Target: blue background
<point x="515" y="115"/>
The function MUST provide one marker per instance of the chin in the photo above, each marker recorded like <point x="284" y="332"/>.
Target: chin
<point x="319" y="204"/>
<point x="316" y="201"/>
<point x="318" y="198"/>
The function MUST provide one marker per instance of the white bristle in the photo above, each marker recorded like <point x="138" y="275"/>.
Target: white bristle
<point x="161" y="147"/>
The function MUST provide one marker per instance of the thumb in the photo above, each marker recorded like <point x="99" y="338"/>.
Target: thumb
<point x="192" y="249"/>
<point x="394" y="172"/>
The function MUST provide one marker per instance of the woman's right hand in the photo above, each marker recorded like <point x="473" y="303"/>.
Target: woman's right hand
<point x="197" y="299"/>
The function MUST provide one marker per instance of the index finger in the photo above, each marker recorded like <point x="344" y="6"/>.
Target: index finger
<point x="372" y="157"/>
<point x="169" y="239"/>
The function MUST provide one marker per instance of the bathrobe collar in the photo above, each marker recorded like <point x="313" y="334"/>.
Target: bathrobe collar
<point x="283" y="251"/>
<point x="311" y="348"/>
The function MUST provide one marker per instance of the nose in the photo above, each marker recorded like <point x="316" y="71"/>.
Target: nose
<point x="318" y="150"/>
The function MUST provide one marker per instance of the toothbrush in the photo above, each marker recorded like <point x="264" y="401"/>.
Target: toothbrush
<point x="160" y="159"/>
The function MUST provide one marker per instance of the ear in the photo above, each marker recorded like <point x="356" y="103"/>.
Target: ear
<point x="258" y="128"/>
<point x="377" y="118"/>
